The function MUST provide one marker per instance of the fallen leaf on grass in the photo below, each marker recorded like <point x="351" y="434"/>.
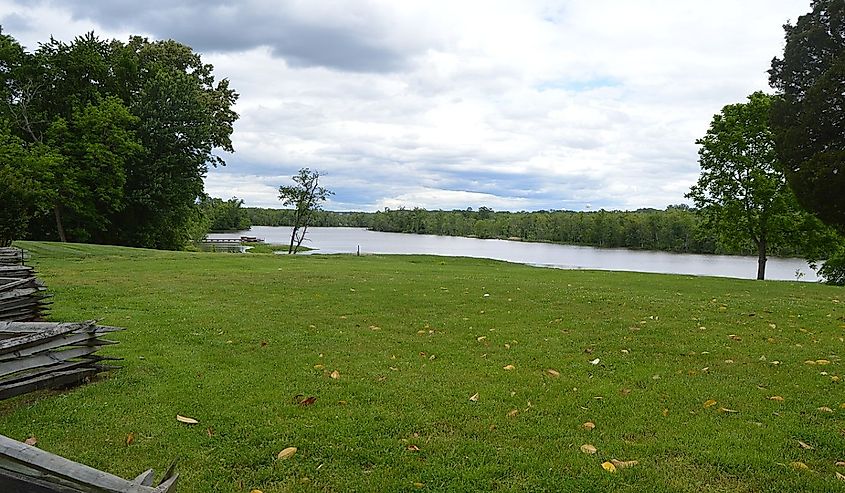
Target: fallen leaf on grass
<point x="335" y="375"/>
<point x="805" y="446"/>
<point x="665" y="413"/>
<point x="31" y="441"/>
<point x="286" y="453"/>
<point x="130" y="438"/>
<point x="256" y="491"/>
<point x="513" y="412"/>
<point x="588" y="449"/>
<point x="622" y="464"/>
<point x="308" y="401"/>
<point x="726" y="410"/>
<point x="552" y="373"/>
<point x="608" y="466"/>
<point x="709" y="403"/>
<point x="800" y="466"/>
<point x="776" y="398"/>
<point x="589" y="425"/>
<point x="840" y="476"/>
<point x="595" y="361"/>
<point x="474" y="397"/>
<point x="318" y="367"/>
<point x="481" y="338"/>
<point x="825" y="409"/>
<point x="186" y="420"/>
<point x="509" y="367"/>
<point x="822" y="362"/>
<point x="413" y="448"/>
<point x="419" y="485"/>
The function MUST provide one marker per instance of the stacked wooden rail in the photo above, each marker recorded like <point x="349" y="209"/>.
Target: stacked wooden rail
<point x="40" y="355"/>
<point x="23" y="296"/>
<point x="26" y="469"/>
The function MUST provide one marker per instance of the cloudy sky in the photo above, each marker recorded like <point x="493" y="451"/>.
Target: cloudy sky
<point x="514" y="105"/>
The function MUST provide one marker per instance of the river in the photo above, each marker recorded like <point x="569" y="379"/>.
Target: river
<point x="348" y="240"/>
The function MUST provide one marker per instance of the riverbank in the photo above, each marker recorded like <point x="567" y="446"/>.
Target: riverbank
<point x="351" y="240"/>
<point x="232" y="340"/>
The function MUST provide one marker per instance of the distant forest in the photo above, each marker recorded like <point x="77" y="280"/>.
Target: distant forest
<point x="675" y="229"/>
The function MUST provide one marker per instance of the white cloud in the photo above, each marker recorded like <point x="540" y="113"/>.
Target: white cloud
<point x="513" y="105"/>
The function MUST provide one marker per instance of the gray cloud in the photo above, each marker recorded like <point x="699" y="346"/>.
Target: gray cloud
<point x="224" y="26"/>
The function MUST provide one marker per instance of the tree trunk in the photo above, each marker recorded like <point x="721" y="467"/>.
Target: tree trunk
<point x="59" y="226"/>
<point x="761" y="259"/>
<point x="292" y="237"/>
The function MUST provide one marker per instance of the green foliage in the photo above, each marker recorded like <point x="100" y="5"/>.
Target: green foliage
<point x="741" y="191"/>
<point x="225" y="215"/>
<point x="136" y="124"/>
<point x="23" y="171"/>
<point x="809" y="118"/>
<point x="306" y="196"/>
<point x="231" y="340"/>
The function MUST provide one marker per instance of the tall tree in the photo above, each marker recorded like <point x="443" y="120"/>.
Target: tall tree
<point x="741" y="191"/>
<point x="306" y="196"/>
<point x="809" y="117"/>
<point x="137" y="124"/>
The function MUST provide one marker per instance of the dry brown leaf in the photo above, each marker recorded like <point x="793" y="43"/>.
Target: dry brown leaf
<point x="552" y="373"/>
<point x="825" y="409"/>
<point x="840" y="464"/>
<point x="799" y="466"/>
<point x="589" y="425"/>
<point x="130" y="439"/>
<point x="286" y="453"/>
<point x="726" y="410"/>
<point x="509" y="367"/>
<point x="480" y="338"/>
<point x="413" y="448"/>
<point x="318" y="367"/>
<point x="31" y="441"/>
<point x="256" y="491"/>
<point x="335" y="375"/>
<point x="622" y="464"/>
<point x="308" y="401"/>
<point x="474" y="397"/>
<point x="608" y="466"/>
<point x="805" y="446"/>
<point x="588" y="449"/>
<point x="822" y="362"/>
<point x="513" y="412"/>
<point x="709" y="403"/>
<point x="840" y="476"/>
<point x="776" y="398"/>
<point x="186" y="420"/>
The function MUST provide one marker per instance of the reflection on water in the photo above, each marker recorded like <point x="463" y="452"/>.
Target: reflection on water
<point x="348" y="240"/>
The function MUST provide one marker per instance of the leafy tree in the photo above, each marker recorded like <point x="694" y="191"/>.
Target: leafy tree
<point x="225" y="215"/>
<point x="306" y="197"/>
<point x="741" y="190"/>
<point x="137" y="125"/>
<point x="809" y="118"/>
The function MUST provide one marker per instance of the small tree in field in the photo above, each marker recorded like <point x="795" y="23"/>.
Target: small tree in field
<point x="741" y="191"/>
<point x="306" y="197"/>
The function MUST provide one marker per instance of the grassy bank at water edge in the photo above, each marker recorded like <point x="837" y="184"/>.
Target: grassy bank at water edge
<point x="232" y="340"/>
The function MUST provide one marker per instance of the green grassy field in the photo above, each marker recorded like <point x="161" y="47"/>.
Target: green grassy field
<point x="231" y="340"/>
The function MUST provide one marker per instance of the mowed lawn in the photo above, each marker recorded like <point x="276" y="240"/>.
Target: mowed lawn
<point x="231" y="340"/>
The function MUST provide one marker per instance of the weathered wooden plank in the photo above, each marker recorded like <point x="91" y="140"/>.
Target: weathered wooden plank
<point x="87" y="478"/>
<point x="15" y="482"/>
<point x="73" y="339"/>
<point x="10" y="345"/>
<point x="44" y="359"/>
<point x="53" y="380"/>
<point x="37" y="373"/>
<point x="30" y="327"/>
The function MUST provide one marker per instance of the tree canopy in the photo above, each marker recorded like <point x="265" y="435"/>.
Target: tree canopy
<point x="741" y="190"/>
<point x="130" y="127"/>
<point x="808" y="119"/>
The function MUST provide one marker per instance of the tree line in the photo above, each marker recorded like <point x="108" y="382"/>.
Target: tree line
<point x="106" y="141"/>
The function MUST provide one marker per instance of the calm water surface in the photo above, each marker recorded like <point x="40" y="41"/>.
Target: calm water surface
<point x="347" y="240"/>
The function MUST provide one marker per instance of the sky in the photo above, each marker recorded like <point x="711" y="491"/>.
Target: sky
<point x="513" y="105"/>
